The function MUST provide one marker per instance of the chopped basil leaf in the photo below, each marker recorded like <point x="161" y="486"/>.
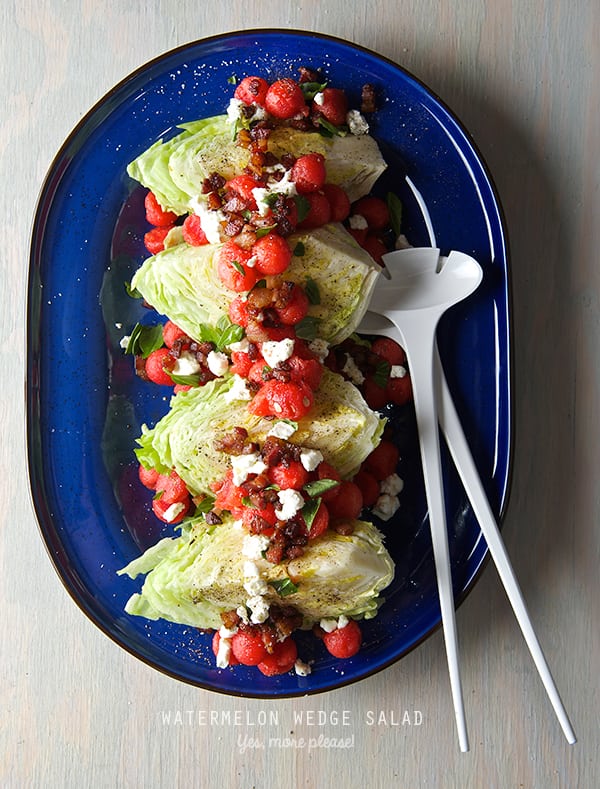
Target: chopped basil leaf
<point x="309" y="512"/>
<point x="133" y="292"/>
<point x="299" y="250"/>
<point x="144" y="339"/>
<point x="312" y="291"/>
<point x="319" y="487"/>
<point x="395" y="208"/>
<point x="283" y="586"/>
<point x="310" y="89"/>
<point x="221" y="335"/>
<point x="238" y="267"/>
<point x="205" y="505"/>
<point x="382" y="374"/>
<point x="263" y="231"/>
<point x="307" y="328"/>
<point x="232" y="80"/>
<point x="185" y="380"/>
<point x="327" y="129"/>
<point x="302" y="207"/>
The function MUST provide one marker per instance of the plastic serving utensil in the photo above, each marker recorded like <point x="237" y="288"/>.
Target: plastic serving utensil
<point x="414" y="298"/>
<point x="461" y="455"/>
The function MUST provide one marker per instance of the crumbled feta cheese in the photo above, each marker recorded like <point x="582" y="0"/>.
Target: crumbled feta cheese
<point x="118" y="325"/>
<point x="320" y="348"/>
<point x="357" y="123"/>
<point x="259" y="193"/>
<point x="291" y="502"/>
<point x="217" y="362"/>
<point x="352" y="371"/>
<point x="282" y="429"/>
<point x="186" y="364"/>
<point x="253" y="583"/>
<point x="240" y="347"/>
<point x="251" y="262"/>
<point x="284" y="186"/>
<point x="275" y="351"/>
<point x="259" y="608"/>
<point x="210" y="220"/>
<point x="397" y="371"/>
<point x="244" y="465"/>
<point x="223" y="652"/>
<point x="234" y="110"/>
<point x="310" y="458"/>
<point x="125" y="341"/>
<point x="328" y="625"/>
<point x="226" y="632"/>
<point x="173" y="511"/>
<point x="386" y="506"/>
<point x="243" y="614"/>
<point x="238" y="391"/>
<point x="318" y="98"/>
<point x="402" y="242"/>
<point x="358" y="222"/>
<point x="301" y="668"/>
<point x="342" y="621"/>
<point x="254" y="545"/>
<point x="392" y="485"/>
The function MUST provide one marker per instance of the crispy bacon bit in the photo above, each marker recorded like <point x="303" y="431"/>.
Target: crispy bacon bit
<point x="212" y="518"/>
<point x="308" y="75"/>
<point x="230" y="619"/>
<point x="278" y="450"/>
<point x="259" y="298"/>
<point x="233" y="443"/>
<point x="286" y="619"/>
<point x="140" y="368"/>
<point x="367" y="98"/>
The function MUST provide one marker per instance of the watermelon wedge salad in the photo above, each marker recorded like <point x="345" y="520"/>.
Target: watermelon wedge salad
<point x="265" y="242"/>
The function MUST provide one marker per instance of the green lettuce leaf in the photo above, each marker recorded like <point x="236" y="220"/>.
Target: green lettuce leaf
<point x="182" y="282"/>
<point x="192" y="579"/>
<point x="340" y="425"/>
<point x="175" y="169"/>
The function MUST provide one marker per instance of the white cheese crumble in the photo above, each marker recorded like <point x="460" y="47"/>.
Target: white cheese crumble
<point x="358" y="222"/>
<point x="275" y="351"/>
<point x="238" y="391"/>
<point x="186" y="364"/>
<point x="318" y="98"/>
<point x="217" y="362"/>
<point x="386" y="506"/>
<point x="392" y="485"/>
<point x="320" y="348"/>
<point x="244" y="465"/>
<point x="352" y="371"/>
<point x="243" y="614"/>
<point x="125" y="341"/>
<point x="284" y="186"/>
<point x="173" y="511"/>
<point x="226" y="632"/>
<point x="223" y="652"/>
<point x="282" y="429"/>
<point x="310" y="458"/>
<point x="397" y="371"/>
<point x="254" y="545"/>
<point x="259" y="608"/>
<point x="328" y="625"/>
<point x="291" y="502"/>
<point x="253" y="583"/>
<point x="240" y="347"/>
<point x="301" y="668"/>
<point x="357" y="123"/>
<point x="234" y="110"/>
<point x="210" y="220"/>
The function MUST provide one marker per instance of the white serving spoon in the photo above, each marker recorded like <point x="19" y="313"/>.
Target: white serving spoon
<point x="460" y="452"/>
<point x="414" y="297"/>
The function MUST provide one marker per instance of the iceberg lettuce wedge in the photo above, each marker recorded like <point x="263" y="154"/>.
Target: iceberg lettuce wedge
<point x="341" y="426"/>
<point x="194" y="578"/>
<point x="182" y="282"/>
<point x="175" y="169"/>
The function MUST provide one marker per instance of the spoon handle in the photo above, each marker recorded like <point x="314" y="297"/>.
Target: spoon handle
<point x="463" y="460"/>
<point x="420" y="353"/>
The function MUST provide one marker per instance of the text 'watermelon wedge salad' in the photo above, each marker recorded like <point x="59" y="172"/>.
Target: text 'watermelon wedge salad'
<point x="265" y="242"/>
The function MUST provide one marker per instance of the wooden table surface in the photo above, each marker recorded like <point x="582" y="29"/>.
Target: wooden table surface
<point x="76" y="710"/>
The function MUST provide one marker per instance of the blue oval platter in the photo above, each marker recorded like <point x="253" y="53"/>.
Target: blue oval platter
<point x="85" y="406"/>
